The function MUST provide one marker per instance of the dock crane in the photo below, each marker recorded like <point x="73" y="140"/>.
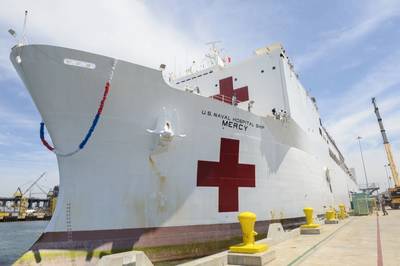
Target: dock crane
<point x="23" y="201"/>
<point x="395" y="191"/>
<point x="19" y="192"/>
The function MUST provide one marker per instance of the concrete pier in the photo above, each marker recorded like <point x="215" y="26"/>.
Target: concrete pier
<point x="358" y="240"/>
<point x="363" y="240"/>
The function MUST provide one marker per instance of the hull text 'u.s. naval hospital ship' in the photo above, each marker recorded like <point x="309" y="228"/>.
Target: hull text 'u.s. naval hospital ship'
<point x="164" y="165"/>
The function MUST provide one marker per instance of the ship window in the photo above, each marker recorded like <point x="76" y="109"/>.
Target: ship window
<point x="273" y="68"/>
<point x="199" y="76"/>
<point x="320" y="131"/>
<point x="205" y="74"/>
<point x="187" y="80"/>
<point x="210" y="72"/>
<point x="216" y="85"/>
<point x="262" y="71"/>
<point x="178" y="83"/>
<point x="235" y="79"/>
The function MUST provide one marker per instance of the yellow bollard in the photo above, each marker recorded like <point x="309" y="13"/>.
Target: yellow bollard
<point x="309" y="219"/>
<point x="247" y="221"/>
<point x="342" y="211"/>
<point x="330" y="215"/>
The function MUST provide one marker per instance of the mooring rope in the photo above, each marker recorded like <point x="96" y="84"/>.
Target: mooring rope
<point x="92" y="127"/>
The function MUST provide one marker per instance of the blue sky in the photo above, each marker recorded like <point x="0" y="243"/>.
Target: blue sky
<point x="344" y="51"/>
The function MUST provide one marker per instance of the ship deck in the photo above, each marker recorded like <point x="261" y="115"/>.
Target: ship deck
<point x="358" y="240"/>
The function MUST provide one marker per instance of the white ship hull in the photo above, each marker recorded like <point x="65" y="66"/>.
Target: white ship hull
<point x="124" y="190"/>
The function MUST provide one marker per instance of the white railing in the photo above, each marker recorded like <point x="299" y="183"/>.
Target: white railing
<point x="225" y="99"/>
<point x="370" y="186"/>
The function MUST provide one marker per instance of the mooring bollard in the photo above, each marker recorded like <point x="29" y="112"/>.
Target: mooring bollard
<point x="247" y="221"/>
<point x="330" y="217"/>
<point x="309" y="219"/>
<point x="342" y="211"/>
<point x="310" y="228"/>
<point x="336" y="213"/>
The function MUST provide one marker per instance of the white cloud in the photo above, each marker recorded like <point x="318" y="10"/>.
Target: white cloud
<point x="370" y="19"/>
<point x="16" y="119"/>
<point x="350" y="112"/>
<point x="363" y="123"/>
<point x="6" y="70"/>
<point x="130" y="31"/>
<point x="127" y="30"/>
<point x="382" y="77"/>
<point x="356" y="117"/>
<point x="17" y="173"/>
<point x="375" y="159"/>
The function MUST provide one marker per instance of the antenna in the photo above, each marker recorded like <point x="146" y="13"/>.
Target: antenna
<point x="213" y="44"/>
<point x="12" y="32"/>
<point x="214" y="54"/>
<point x="23" y="40"/>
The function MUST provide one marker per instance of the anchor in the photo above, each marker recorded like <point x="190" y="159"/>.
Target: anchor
<point x="166" y="128"/>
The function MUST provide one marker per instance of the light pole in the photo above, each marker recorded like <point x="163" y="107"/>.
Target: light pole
<point x="362" y="159"/>
<point x="387" y="175"/>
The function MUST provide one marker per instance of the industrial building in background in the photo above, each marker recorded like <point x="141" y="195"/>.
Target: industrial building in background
<point x="24" y="207"/>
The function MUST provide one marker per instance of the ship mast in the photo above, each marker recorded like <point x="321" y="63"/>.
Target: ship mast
<point x="388" y="148"/>
<point x="214" y="56"/>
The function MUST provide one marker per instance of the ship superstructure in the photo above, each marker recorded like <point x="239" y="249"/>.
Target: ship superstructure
<point x="171" y="161"/>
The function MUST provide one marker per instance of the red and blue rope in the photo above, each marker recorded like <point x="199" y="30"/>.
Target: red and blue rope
<point x="91" y="129"/>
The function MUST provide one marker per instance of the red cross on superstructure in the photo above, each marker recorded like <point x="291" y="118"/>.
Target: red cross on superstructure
<point x="227" y="174"/>
<point x="226" y="92"/>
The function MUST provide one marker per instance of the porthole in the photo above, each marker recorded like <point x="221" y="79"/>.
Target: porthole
<point x="273" y="68"/>
<point x="235" y="79"/>
<point x="262" y="71"/>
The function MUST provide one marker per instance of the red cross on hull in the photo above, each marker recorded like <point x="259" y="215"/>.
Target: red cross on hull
<point x="226" y="92"/>
<point x="227" y="174"/>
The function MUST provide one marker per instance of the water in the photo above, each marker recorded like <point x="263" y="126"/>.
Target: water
<point x="16" y="238"/>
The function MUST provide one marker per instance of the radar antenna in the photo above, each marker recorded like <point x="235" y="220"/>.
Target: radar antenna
<point x="215" y="54"/>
